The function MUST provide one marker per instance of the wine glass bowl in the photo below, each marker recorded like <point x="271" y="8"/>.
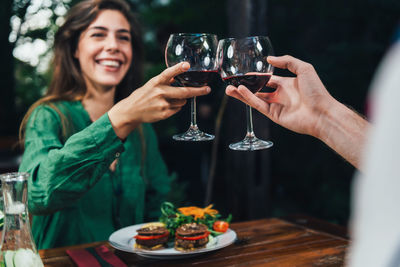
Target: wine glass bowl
<point x="244" y="62"/>
<point x="199" y="50"/>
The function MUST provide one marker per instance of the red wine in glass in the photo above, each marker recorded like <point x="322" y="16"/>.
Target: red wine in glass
<point x="244" y="62"/>
<point x="254" y="82"/>
<point x="197" y="78"/>
<point x="200" y="51"/>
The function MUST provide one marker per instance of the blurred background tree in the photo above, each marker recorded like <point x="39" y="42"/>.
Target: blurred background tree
<point x="345" y="42"/>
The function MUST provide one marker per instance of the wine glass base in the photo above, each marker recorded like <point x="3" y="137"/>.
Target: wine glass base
<point x="251" y="144"/>
<point x="193" y="134"/>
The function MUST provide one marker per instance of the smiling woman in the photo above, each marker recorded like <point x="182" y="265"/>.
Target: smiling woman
<point x="104" y="53"/>
<point x="89" y="148"/>
<point x="104" y="50"/>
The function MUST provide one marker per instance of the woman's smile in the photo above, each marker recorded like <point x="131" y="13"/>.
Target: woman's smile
<point x="109" y="63"/>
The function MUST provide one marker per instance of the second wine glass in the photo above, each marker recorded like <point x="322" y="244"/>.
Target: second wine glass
<point x="244" y="62"/>
<point x="199" y="49"/>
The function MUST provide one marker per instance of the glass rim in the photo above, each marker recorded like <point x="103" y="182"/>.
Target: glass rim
<point x="245" y="38"/>
<point x="14" y="176"/>
<point x="193" y="34"/>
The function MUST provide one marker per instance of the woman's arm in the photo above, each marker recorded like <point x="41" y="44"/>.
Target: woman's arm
<point x="61" y="173"/>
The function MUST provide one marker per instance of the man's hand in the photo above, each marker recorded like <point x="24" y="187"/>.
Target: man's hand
<point x="297" y="103"/>
<point x="302" y="104"/>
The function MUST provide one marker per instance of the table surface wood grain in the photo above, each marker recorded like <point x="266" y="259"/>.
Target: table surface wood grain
<point x="279" y="242"/>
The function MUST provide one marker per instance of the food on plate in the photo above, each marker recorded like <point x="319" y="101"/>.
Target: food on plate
<point x="188" y="228"/>
<point x="152" y="236"/>
<point x="154" y="224"/>
<point x="220" y="226"/>
<point x="175" y="217"/>
<point x="197" y="212"/>
<point x="191" y="236"/>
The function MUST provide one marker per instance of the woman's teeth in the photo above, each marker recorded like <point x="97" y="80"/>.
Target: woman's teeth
<point x="110" y="63"/>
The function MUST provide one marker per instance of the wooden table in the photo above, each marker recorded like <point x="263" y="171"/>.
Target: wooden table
<point x="267" y="242"/>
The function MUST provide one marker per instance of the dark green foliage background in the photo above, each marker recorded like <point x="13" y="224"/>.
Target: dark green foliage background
<point x="345" y="41"/>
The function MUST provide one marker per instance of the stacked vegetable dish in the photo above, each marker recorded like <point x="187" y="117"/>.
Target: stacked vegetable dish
<point x="189" y="228"/>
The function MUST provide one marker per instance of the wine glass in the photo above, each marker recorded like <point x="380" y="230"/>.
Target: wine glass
<point x="244" y="62"/>
<point x="200" y="50"/>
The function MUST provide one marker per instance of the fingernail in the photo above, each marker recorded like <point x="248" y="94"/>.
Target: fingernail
<point x="208" y="89"/>
<point x="185" y="66"/>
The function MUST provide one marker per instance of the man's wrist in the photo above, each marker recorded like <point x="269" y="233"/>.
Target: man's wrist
<point x="327" y="113"/>
<point x="343" y="130"/>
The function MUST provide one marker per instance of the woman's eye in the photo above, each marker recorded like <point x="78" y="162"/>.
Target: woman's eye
<point x="125" y="38"/>
<point x="97" y="34"/>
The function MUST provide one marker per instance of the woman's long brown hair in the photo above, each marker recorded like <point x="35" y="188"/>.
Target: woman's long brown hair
<point x="67" y="81"/>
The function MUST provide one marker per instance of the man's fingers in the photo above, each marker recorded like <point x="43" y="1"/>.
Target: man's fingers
<point x="247" y="94"/>
<point x="233" y="92"/>
<point x="171" y="72"/>
<point x="247" y="97"/>
<point x="253" y="100"/>
<point x="293" y="64"/>
<point x="268" y="97"/>
<point x="274" y="82"/>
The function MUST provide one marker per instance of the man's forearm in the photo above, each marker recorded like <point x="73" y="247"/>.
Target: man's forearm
<point x="345" y="131"/>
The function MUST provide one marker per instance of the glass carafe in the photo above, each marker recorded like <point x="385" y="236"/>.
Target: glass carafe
<point x="17" y="246"/>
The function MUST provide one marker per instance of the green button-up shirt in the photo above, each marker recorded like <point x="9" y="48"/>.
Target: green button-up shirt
<point x="72" y="193"/>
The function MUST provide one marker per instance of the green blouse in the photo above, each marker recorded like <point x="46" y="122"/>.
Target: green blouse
<point x="72" y="193"/>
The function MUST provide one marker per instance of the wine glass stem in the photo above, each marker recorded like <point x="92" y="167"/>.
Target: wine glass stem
<point x="249" y="119"/>
<point x="193" y="116"/>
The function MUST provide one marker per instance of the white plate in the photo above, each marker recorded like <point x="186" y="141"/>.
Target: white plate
<point x="123" y="240"/>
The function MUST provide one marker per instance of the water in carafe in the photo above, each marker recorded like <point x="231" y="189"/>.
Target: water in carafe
<point x="17" y="247"/>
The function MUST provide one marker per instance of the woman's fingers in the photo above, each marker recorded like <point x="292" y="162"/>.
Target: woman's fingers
<point x="169" y="73"/>
<point x="165" y="78"/>
<point x="165" y="113"/>
<point x="176" y="103"/>
<point x="172" y="111"/>
<point x="185" y="92"/>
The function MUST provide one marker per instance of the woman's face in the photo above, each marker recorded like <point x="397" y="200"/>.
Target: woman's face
<point x="104" y="50"/>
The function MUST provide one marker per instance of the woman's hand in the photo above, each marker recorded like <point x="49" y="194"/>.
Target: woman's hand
<point x="297" y="103"/>
<point x="154" y="101"/>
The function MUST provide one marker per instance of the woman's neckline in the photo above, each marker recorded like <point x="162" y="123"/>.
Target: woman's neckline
<point x="80" y="104"/>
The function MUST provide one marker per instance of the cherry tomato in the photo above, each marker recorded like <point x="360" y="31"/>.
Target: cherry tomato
<point x="220" y="226"/>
